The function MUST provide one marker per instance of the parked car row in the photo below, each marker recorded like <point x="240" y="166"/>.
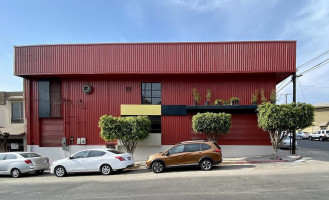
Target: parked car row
<point x="105" y="161"/>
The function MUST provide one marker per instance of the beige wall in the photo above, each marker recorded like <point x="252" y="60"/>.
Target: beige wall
<point x="321" y="117"/>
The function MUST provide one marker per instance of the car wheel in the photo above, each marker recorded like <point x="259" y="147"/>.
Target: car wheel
<point x="321" y="139"/>
<point x="39" y="172"/>
<point x="106" y="169"/>
<point x="206" y="164"/>
<point x="60" y="171"/>
<point x="310" y="138"/>
<point x="15" y="173"/>
<point x="301" y="138"/>
<point x="157" y="167"/>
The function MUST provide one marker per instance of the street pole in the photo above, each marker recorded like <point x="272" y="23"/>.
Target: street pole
<point x="294" y="78"/>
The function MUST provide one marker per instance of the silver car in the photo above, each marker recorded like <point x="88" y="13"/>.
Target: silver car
<point x="285" y="144"/>
<point x="18" y="163"/>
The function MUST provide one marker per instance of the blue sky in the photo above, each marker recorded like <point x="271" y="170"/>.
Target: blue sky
<point x="100" y="21"/>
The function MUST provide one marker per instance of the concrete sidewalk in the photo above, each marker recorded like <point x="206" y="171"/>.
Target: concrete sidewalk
<point x="284" y="156"/>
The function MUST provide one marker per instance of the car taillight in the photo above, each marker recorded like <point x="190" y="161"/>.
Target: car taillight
<point x="120" y="158"/>
<point x="217" y="150"/>
<point x="28" y="161"/>
<point x="48" y="160"/>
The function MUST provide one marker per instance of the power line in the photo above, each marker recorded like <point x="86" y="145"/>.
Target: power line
<point x="283" y="87"/>
<point x="315" y="67"/>
<point x="313" y="59"/>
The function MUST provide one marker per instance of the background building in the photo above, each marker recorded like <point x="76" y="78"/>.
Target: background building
<point x="68" y="87"/>
<point x="12" y="128"/>
<point x="321" y="118"/>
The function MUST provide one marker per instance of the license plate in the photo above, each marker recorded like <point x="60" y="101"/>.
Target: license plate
<point x="129" y="158"/>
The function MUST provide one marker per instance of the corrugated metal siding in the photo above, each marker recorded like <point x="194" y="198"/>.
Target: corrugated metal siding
<point x="81" y="112"/>
<point x="179" y="92"/>
<point x="175" y="129"/>
<point x="161" y="58"/>
<point x="51" y="132"/>
<point x="244" y="131"/>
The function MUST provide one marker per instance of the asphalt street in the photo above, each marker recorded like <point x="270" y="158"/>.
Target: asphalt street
<point x="304" y="179"/>
<point x="314" y="144"/>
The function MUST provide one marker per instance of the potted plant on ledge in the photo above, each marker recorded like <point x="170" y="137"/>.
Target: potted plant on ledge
<point x="254" y="98"/>
<point x="262" y="96"/>
<point x="196" y="96"/>
<point x="273" y="97"/>
<point x="218" y="102"/>
<point x="208" y="97"/>
<point x="235" y="101"/>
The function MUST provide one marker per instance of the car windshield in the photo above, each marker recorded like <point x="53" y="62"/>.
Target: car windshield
<point x="115" y="151"/>
<point x="29" y="155"/>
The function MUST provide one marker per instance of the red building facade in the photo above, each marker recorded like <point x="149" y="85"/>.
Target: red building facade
<point x="116" y="73"/>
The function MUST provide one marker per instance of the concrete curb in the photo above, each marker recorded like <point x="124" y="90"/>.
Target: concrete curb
<point x="260" y="161"/>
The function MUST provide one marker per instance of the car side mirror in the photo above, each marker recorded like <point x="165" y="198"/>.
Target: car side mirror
<point x="71" y="157"/>
<point x="166" y="153"/>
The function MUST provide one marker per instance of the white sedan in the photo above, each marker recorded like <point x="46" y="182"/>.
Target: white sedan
<point x="18" y="163"/>
<point x="93" y="160"/>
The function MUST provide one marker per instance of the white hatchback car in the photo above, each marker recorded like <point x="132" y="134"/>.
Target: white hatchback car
<point x="18" y="163"/>
<point x="93" y="160"/>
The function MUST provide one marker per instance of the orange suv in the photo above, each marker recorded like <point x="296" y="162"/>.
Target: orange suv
<point x="204" y="154"/>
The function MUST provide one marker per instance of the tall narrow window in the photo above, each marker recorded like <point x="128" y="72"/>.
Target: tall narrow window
<point x="17" y="115"/>
<point x="49" y="99"/>
<point x="151" y="93"/>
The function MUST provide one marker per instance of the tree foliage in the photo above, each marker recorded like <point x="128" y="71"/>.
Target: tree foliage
<point x="281" y="120"/>
<point x="129" y="130"/>
<point x="212" y="124"/>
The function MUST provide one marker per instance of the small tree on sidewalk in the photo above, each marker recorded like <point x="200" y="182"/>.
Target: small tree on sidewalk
<point x="129" y="130"/>
<point x="282" y="120"/>
<point x="212" y="124"/>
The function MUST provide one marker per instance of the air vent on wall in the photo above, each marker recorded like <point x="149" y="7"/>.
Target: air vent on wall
<point x="87" y="89"/>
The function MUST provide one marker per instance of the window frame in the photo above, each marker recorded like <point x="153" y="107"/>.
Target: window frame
<point x="21" y="112"/>
<point x="151" y="94"/>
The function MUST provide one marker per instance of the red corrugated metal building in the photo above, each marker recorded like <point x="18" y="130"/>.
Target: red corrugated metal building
<point x="133" y="74"/>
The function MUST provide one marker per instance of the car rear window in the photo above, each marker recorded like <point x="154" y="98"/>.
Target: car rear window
<point x="115" y="151"/>
<point x="205" y="147"/>
<point x="29" y="155"/>
<point x="191" y="147"/>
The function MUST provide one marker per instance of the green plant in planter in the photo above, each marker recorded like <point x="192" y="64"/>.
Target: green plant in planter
<point x="196" y="96"/>
<point x="254" y="97"/>
<point x="262" y="96"/>
<point x="218" y="102"/>
<point x="226" y="102"/>
<point x="208" y="97"/>
<point x="235" y="100"/>
<point x="273" y="96"/>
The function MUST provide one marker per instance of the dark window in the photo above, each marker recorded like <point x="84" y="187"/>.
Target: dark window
<point x="177" y="149"/>
<point x="49" y="99"/>
<point x="151" y="93"/>
<point x="96" y="153"/>
<point x="191" y="147"/>
<point x="17" y="112"/>
<point x="10" y="157"/>
<point x="205" y="147"/>
<point x="155" y="124"/>
<point x="82" y="154"/>
<point x="30" y="155"/>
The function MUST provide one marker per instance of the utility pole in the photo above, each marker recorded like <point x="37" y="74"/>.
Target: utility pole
<point x="286" y="97"/>
<point x="294" y="79"/>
